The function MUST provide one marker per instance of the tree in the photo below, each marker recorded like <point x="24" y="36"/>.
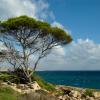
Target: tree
<point x="26" y="38"/>
<point x="2" y="56"/>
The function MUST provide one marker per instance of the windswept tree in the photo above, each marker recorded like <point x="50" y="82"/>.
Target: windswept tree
<point x="26" y="38"/>
<point x="2" y="56"/>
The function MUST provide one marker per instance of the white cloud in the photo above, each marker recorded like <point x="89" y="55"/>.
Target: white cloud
<point x="84" y="55"/>
<point x="58" y="50"/>
<point x="59" y="25"/>
<point x="35" y="8"/>
<point x="80" y="55"/>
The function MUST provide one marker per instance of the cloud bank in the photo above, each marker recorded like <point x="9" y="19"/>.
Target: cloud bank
<point x="35" y="8"/>
<point x="80" y="55"/>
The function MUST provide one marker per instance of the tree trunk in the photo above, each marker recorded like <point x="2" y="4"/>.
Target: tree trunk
<point x="30" y="80"/>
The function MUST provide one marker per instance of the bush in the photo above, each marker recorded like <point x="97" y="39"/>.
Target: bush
<point x="5" y="77"/>
<point x="43" y="83"/>
<point x="18" y="72"/>
<point x="88" y="93"/>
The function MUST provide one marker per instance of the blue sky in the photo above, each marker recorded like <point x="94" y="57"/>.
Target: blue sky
<point x="81" y="18"/>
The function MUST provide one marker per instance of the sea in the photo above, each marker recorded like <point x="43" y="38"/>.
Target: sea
<point x="83" y="79"/>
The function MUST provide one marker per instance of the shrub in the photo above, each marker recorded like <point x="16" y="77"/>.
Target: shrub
<point x="5" y="77"/>
<point x="88" y="93"/>
<point x="18" y="72"/>
<point x="43" y="83"/>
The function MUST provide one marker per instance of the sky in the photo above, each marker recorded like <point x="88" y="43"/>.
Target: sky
<point x="79" y="18"/>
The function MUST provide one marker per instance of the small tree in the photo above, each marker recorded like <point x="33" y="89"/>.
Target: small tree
<point x="26" y="38"/>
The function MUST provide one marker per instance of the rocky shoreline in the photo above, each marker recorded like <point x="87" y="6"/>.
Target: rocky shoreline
<point x="73" y="93"/>
<point x="60" y="92"/>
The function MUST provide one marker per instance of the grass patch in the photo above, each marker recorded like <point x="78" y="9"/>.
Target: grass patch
<point x="43" y="83"/>
<point x="39" y="95"/>
<point x="6" y="93"/>
<point x="4" y="77"/>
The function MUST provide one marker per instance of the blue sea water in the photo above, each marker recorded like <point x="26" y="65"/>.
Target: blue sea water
<point x="84" y="79"/>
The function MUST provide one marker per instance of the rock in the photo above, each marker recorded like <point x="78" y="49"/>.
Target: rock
<point x="65" y="90"/>
<point x="16" y="89"/>
<point x="75" y="94"/>
<point x="21" y="86"/>
<point x="38" y="96"/>
<point x="4" y="83"/>
<point x="9" y="83"/>
<point x="34" y="86"/>
<point x="96" y="94"/>
<point x="13" y="84"/>
<point x="61" y="98"/>
<point x="27" y="91"/>
<point x="67" y="97"/>
<point x="89" y="98"/>
<point x="26" y="87"/>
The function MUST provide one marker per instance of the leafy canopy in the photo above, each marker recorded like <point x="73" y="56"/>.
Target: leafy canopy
<point x="31" y="23"/>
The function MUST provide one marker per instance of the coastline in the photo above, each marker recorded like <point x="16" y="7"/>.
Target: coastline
<point x="61" y="92"/>
<point x="82" y="79"/>
<point x="40" y="88"/>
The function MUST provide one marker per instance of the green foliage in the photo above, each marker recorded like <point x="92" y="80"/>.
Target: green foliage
<point x="5" y="77"/>
<point x="57" y="93"/>
<point x="7" y="93"/>
<point x="25" y="22"/>
<point x="6" y="90"/>
<point x="18" y="22"/>
<point x="17" y="76"/>
<point x="60" y="34"/>
<point x="43" y="83"/>
<point x="88" y="92"/>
